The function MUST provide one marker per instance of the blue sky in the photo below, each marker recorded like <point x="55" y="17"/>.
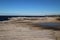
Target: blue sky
<point x="29" y="7"/>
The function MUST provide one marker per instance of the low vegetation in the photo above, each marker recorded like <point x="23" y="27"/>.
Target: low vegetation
<point x="58" y="18"/>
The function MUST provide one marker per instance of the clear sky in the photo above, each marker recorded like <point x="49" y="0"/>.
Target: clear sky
<point x="29" y="7"/>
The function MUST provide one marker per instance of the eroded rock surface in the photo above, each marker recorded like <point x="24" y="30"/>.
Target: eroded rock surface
<point x="22" y="30"/>
<point x="11" y="31"/>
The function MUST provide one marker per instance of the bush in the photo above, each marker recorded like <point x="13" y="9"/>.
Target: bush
<point x="58" y="18"/>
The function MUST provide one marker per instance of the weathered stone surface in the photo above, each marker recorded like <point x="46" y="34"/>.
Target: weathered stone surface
<point x="21" y="32"/>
